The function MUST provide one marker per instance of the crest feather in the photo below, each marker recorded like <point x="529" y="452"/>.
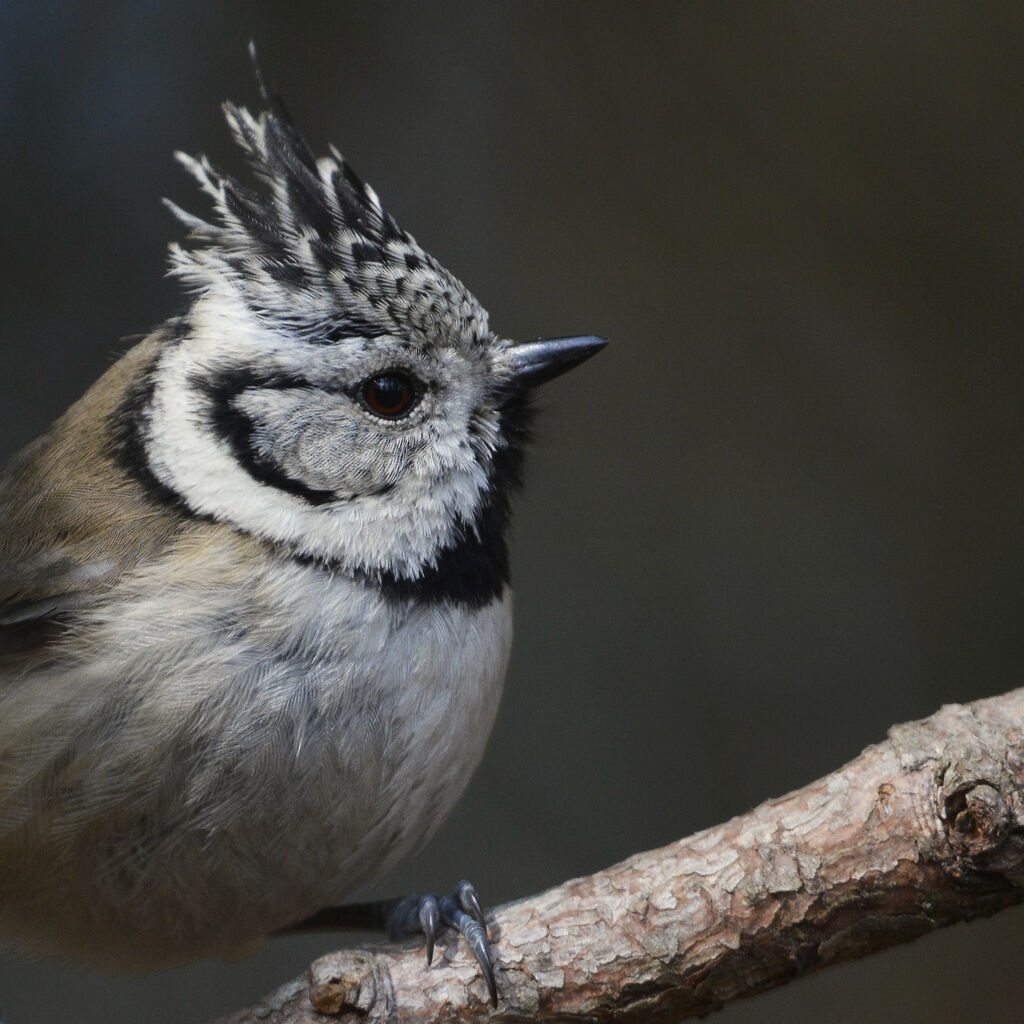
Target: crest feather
<point x="312" y="245"/>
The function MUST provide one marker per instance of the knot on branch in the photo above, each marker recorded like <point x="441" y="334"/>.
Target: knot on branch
<point x="977" y="818"/>
<point x="347" y="983"/>
<point x="981" y="825"/>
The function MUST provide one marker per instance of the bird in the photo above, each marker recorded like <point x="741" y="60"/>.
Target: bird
<point x="255" y="611"/>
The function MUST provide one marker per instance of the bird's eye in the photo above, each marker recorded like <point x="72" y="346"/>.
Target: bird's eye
<point x="390" y="394"/>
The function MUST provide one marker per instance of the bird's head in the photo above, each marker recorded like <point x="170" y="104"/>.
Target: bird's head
<point x="333" y="389"/>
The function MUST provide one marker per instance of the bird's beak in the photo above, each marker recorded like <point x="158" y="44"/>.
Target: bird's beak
<point x="534" y="362"/>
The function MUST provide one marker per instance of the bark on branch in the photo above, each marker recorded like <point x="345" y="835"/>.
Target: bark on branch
<point x="921" y="831"/>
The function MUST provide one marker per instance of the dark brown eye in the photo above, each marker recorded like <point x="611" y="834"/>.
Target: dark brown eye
<point x="390" y="394"/>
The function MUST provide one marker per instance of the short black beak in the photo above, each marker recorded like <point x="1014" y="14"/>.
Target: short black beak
<point x="534" y="362"/>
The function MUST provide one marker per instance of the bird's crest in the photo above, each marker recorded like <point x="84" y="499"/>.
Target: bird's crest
<point x="313" y="246"/>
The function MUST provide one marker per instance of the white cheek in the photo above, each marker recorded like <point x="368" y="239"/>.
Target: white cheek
<point x="320" y="439"/>
<point x="399" y="531"/>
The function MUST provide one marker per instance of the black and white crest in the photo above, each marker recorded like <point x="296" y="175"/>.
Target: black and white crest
<point x="314" y="249"/>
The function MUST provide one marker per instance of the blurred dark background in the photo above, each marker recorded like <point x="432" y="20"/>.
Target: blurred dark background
<point x="781" y="512"/>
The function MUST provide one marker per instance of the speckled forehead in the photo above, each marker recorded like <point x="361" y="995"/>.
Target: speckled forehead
<point x="419" y="300"/>
<point x="442" y="354"/>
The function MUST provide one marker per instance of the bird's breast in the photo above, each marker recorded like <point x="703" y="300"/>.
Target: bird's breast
<point x="247" y="742"/>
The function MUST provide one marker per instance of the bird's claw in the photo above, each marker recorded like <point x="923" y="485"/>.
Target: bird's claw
<point x="428" y="915"/>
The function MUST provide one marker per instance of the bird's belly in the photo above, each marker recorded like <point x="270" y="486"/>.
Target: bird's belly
<point x="258" y="785"/>
<point x="392" y="763"/>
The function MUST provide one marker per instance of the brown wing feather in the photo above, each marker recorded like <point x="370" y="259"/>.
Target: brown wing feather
<point x="72" y="519"/>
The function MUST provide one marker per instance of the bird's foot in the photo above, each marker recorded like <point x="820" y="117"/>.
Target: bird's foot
<point x="427" y="915"/>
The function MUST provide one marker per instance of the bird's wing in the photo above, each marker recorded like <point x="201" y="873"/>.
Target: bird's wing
<point x="73" y="520"/>
<point x="38" y="605"/>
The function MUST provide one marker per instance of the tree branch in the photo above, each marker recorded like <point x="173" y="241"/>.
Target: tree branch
<point x="919" y="832"/>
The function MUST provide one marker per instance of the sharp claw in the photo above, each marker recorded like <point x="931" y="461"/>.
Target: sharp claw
<point x="476" y="939"/>
<point x="470" y="902"/>
<point x="461" y="910"/>
<point x="430" y="921"/>
<point x="492" y="985"/>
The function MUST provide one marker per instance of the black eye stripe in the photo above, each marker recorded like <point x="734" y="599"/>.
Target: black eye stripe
<point x="231" y="383"/>
<point x="236" y="428"/>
